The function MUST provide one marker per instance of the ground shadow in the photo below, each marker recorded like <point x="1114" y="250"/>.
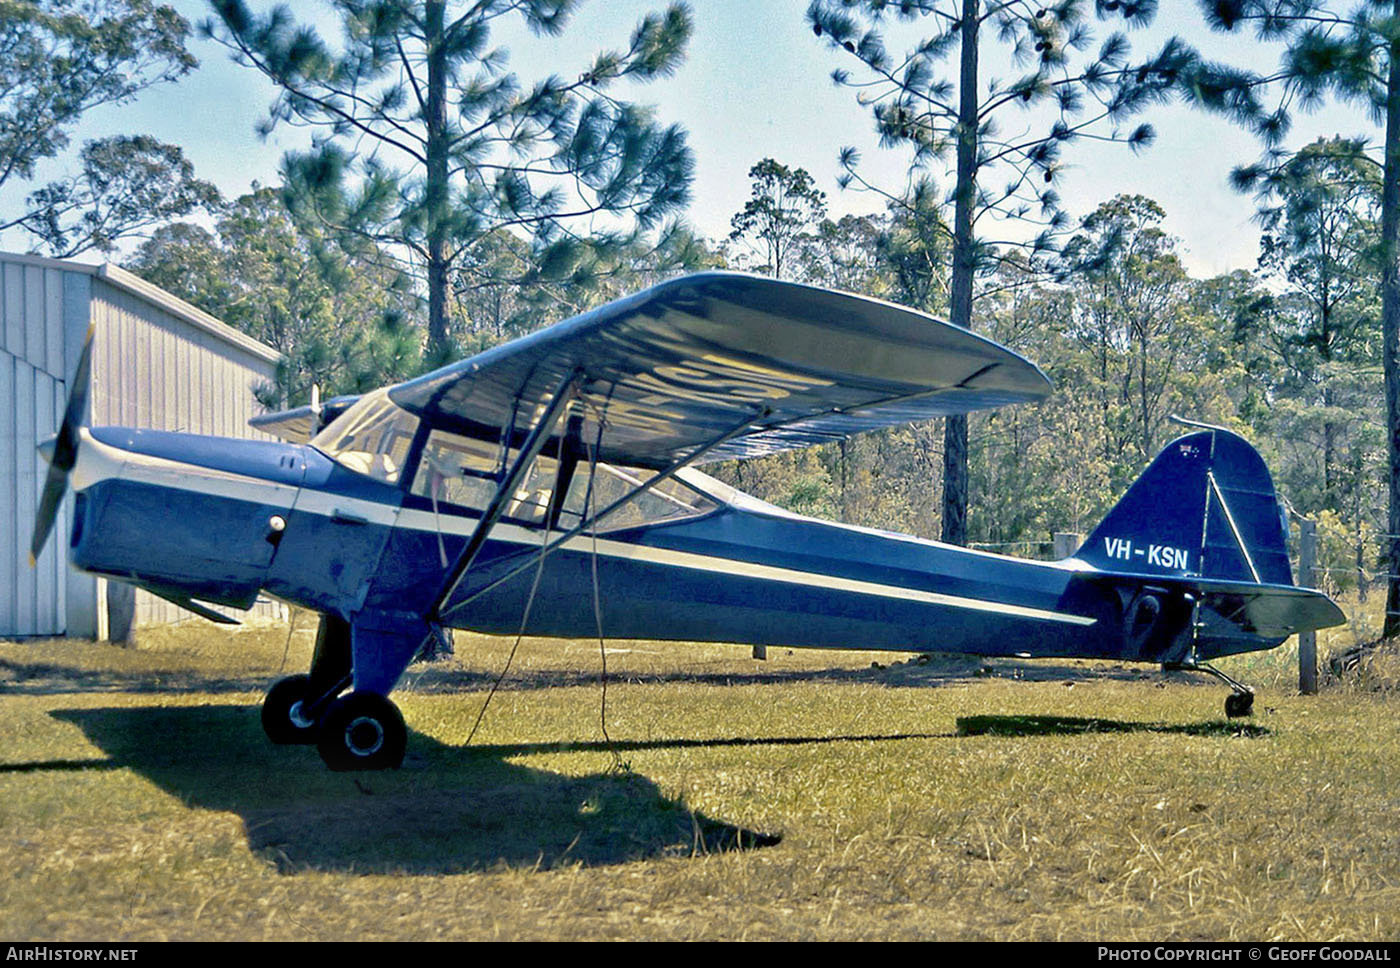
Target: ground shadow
<point x="911" y="673"/>
<point x="1075" y="725"/>
<point x="448" y="811"/>
<point x="41" y="678"/>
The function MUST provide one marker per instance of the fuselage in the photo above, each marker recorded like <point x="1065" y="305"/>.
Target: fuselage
<point x="222" y="520"/>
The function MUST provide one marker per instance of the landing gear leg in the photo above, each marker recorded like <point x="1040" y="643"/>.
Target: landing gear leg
<point x="1239" y="703"/>
<point x="295" y="705"/>
<point x="363" y="730"/>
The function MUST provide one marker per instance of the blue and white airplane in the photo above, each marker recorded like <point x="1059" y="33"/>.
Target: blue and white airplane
<point x="493" y="493"/>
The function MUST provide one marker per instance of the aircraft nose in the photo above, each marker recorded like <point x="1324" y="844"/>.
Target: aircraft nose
<point x="46" y="448"/>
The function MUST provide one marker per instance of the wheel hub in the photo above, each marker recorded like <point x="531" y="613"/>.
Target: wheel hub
<point x="298" y="717"/>
<point x="364" y="736"/>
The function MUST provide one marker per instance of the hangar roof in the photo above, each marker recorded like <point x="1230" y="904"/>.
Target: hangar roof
<point x="175" y="306"/>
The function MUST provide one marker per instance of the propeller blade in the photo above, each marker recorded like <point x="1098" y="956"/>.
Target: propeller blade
<point x="62" y="451"/>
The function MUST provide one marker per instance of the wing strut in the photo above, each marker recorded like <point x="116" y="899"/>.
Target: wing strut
<point x="578" y="529"/>
<point x="529" y="450"/>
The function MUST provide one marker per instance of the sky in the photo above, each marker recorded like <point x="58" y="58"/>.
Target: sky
<point x="756" y="84"/>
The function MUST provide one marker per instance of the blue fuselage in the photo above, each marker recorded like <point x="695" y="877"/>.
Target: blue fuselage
<point x="221" y="520"/>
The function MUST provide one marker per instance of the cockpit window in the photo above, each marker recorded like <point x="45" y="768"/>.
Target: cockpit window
<point x="372" y="437"/>
<point x="458" y="470"/>
<point x="670" y="500"/>
<point x="463" y="472"/>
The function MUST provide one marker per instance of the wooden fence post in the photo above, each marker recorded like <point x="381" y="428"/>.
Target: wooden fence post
<point x="1066" y="543"/>
<point x="1307" y="641"/>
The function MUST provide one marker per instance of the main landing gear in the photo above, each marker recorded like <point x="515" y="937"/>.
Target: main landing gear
<point x="362" y="731"/>
<point x="354" y="730"/>
<point x="1239" y="703"/>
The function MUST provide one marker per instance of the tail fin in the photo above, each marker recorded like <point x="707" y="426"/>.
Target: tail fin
<point x="1204" y="509"/>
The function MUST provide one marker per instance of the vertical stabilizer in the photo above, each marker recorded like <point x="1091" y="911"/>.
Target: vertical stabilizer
<point x="1205" y="508"/>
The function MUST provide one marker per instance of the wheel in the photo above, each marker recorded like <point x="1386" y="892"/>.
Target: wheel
<point x="282" y="718"/>
<point x="362" y="731"/>
<point x="1239" y="704"/>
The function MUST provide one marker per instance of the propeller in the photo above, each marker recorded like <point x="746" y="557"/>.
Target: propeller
<point x="62" y="451"/>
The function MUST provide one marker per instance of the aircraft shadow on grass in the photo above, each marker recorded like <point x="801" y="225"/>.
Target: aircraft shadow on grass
<point x="1077" y="725"/>
<point x="450" y="810"/>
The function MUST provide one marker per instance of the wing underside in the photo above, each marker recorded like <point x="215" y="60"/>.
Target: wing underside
<point x="771" y="365"/>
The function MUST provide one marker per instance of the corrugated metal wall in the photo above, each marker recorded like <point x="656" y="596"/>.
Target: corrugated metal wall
<point x="156" y="363"/>
<point x="34" y="368"/>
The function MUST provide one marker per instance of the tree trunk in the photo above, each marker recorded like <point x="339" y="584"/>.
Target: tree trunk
<point x="964" y="265"/>
<point x="1143" y="396"/>
<point x="1390" y="326"/>
<point x="435" y="197"/>
<point x="435" y="188"/>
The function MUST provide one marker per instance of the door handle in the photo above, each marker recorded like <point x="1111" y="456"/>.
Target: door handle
<point x="345" y="517"/>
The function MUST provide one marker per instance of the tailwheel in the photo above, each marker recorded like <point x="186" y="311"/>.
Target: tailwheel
<point x="1239" y="704"/>
<point x="285" y="717"/>
<point x="362" y="731"/>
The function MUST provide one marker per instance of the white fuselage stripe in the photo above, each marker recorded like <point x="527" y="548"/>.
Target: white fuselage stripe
<point x="98" y="461"/>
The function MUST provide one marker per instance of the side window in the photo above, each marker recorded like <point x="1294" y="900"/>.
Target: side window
<point x="457" y="470"/>
<point x="668" y="501"/>
<point x="464" y="472"/>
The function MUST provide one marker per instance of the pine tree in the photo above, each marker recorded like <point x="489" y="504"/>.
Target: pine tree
<point x="427" y="143"/>
<point x="1068" y="90"/>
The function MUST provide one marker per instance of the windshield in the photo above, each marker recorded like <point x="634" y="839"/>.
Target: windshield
<point x="372" y="437"/>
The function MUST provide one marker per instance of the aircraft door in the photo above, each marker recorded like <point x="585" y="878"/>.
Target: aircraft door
<point x="347" y="507"/>
<point x="332" y="545"/>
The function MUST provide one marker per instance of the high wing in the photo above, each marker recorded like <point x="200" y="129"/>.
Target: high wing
<point x="763" y="365"/>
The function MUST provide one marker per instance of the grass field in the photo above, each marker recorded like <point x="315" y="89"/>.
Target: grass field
<point x="809" y="796"/>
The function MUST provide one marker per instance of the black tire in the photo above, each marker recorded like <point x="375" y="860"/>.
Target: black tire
<point x="1239" y="704"/>
<point x="281" y="713"/>
<point x="362" y="731"/>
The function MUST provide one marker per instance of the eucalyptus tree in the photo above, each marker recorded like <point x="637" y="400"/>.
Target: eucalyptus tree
<point x="1319" y="238"/>
<point x="1350" y="52"/>
<point x="426" y="141"/>
<point x="1131" y="290"/>
<point x="784" y="209"/>
<point x="938" y="100"/>
<point x="846" y="254"/>
<point x="58" y="60"/>
<point x="125" y="185"/>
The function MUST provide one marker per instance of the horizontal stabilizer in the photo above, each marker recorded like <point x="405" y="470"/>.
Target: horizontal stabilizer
<point x="1271" y="610"/>
<point x="299" y="424"/>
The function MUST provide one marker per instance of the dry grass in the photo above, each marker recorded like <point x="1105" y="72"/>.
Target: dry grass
<point x="955" y="799"/>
